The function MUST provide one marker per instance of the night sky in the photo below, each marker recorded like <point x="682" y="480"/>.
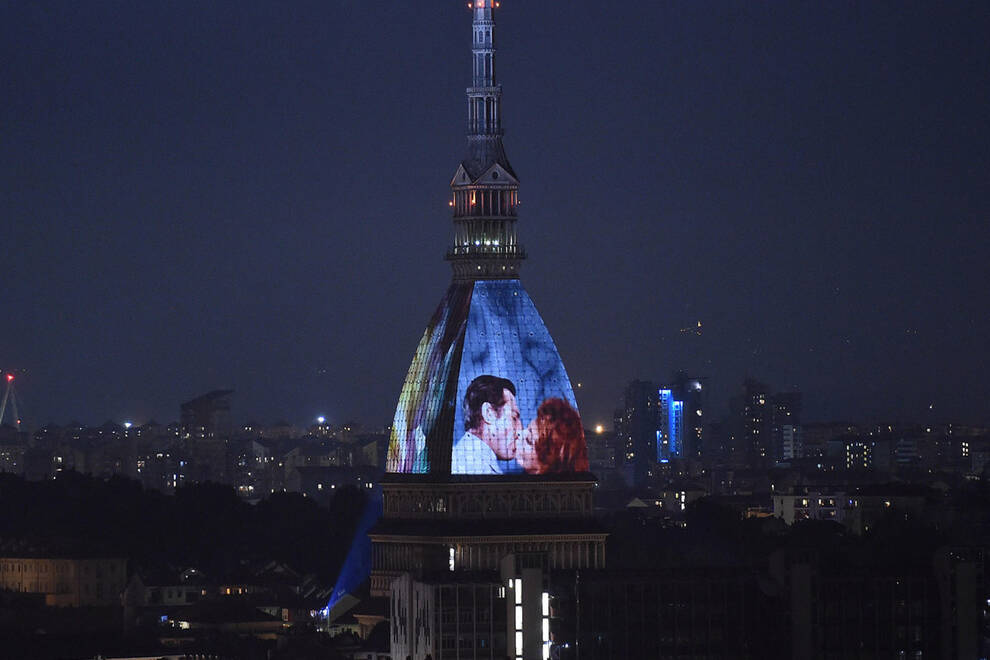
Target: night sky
<point x="254" y="195"/>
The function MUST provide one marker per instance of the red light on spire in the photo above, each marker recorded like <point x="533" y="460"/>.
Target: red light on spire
<point x="10" y="377"/>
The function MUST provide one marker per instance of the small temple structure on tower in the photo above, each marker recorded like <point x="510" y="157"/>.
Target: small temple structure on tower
<point x="485" y="188"/>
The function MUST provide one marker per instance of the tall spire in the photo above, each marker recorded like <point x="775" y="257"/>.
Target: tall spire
<point x="484" y="96"/>
<point x="485" y="187"/>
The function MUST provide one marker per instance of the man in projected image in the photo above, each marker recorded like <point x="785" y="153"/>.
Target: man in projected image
<point x="491" y="420"/>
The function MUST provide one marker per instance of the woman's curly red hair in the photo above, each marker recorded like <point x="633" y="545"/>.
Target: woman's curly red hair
<point x="560" y="446"/>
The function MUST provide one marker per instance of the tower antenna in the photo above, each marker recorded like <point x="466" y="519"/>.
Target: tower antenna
<point x="10" y="395"/>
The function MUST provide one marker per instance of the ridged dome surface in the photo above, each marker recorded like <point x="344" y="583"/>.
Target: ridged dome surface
<point x="486" y="333"/>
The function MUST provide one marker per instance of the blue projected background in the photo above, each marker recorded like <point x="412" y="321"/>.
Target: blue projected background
<point x="487" y="340"/>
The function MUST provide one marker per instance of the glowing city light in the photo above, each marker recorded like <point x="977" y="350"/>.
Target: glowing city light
<point x="10" y="377"/>
<point x="128" y="425"/>
<point x="321" y="420"/>
<point x="599" y="429"/>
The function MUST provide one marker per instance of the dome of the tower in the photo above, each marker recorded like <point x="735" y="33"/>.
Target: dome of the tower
<point x="487" y="392"/>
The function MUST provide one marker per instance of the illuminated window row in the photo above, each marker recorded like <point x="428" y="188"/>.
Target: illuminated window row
<point x="485" y="203"/>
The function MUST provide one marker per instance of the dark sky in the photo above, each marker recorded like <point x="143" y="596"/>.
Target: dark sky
<point x="254" y="195"/>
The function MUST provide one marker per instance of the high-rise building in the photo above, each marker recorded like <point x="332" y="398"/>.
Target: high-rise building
<point x="207" y="417"/>
<point x="206" y="433"/>
<point x="751" y="424"/>
<point x="670" y="425"/>
<point x="787" y="432"/>
<point x="766" y="427"/>
<point x="682" y="417"/>
<point x="636" y="427"/>
<point x="487" y="488"/>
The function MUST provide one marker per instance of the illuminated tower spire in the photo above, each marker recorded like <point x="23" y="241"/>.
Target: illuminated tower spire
<point x="485" y="188"/>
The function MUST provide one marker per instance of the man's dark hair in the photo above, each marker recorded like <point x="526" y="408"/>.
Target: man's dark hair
<point x="482" y="390"/>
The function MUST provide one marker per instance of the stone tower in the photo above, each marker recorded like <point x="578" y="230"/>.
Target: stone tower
<point x="487" y="496"/>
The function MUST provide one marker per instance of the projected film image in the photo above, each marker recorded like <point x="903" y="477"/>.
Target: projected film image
<point x="425" y="404"/>
<point x="487" y="393"/>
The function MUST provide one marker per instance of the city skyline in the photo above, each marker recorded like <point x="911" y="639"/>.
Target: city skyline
<point x="756" y="233"/>
<point x="256" y="199"/>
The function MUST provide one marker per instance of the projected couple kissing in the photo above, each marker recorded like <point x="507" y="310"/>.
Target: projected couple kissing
<point x="496" y="441"/>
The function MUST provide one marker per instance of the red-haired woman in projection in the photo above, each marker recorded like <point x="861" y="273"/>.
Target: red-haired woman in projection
<point x="554" y="442"/>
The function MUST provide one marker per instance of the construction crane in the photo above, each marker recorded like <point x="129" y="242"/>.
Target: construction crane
<point x="10" y="395"/>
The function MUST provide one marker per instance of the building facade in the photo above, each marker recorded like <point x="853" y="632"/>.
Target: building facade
<point x="682" y="418"/>
<point x="66" y="582"/>
<point x="636" y="425"/>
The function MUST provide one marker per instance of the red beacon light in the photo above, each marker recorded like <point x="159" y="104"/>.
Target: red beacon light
<point x="10" y="377"/>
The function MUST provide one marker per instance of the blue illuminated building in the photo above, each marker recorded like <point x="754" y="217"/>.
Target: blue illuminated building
<point x="670" y="440"/>
<point x="680" y="419"/>
<point x="676" y="425"/>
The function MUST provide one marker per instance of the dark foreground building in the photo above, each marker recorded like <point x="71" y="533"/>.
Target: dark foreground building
<point x="803" y="607"/>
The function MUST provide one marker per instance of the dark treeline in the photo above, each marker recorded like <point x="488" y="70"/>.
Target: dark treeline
<point x="205" y="526"/>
